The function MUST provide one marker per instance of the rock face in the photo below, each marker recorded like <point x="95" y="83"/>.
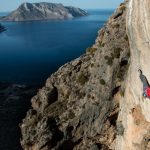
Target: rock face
<point x="135" y="110"/>
<point x="78" y="107"/>
<point x="43" y="11"/>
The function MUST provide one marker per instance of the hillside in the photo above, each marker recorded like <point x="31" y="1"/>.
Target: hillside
<point x="78" y="107"/>
<point x="43" y="11"/>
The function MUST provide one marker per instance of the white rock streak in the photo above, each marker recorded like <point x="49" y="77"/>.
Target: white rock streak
<point x="136" y="125"/>
<point x="26" y="7"/>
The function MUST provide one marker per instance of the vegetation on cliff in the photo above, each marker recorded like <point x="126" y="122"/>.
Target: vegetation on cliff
<point x="79" y="104"/>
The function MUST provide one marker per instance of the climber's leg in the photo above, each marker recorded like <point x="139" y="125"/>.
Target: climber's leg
<point x="144" y="81"/>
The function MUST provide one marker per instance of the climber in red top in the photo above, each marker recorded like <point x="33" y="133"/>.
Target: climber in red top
<point x="146" y="86"/>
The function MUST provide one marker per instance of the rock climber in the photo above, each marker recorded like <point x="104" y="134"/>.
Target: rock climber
<point x="146" y="86"/>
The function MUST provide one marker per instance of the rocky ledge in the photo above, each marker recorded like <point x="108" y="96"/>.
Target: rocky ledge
<point x="78" y="107"/>
<point x="43" y="11"/>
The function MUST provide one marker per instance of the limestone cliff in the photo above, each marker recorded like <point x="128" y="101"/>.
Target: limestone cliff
<point x="78" y="107"/>
<point x="43" y="11"/>
<point x="135" y="110"/>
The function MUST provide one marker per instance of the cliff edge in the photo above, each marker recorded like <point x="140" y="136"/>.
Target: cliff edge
<point x="135" y="109"/>
<point x="78" y="107"/>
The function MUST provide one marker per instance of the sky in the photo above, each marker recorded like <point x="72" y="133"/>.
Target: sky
<point x="9" y="5"/>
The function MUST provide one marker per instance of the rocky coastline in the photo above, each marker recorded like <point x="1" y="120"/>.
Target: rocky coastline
<point x="78" y="107"/>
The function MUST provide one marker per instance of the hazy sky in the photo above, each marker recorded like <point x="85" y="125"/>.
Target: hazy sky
<point x="8" y="5"/>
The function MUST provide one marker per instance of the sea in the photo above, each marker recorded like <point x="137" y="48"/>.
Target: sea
<point x="31" y="51"/>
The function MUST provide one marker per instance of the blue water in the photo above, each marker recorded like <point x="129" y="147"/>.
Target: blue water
<point x="31" y="51"/>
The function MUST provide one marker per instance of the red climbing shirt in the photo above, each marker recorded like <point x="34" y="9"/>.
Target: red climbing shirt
<point x="147" y="91"/>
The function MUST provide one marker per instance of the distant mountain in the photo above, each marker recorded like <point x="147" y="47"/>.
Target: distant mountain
<point x="43" y="11"/>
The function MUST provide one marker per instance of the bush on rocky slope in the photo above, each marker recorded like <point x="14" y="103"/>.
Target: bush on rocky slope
<point x="84" y="114"/>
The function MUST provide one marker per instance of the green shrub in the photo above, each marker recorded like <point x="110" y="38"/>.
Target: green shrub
<point x="66" y="96"/>
<point x="81" y="94"/>
<point x="82" y="79"/>
<point x="71" y="115"/>
<point x="116" y="25"/>
<point x="106" y="57"/>
<point x="92" y="65"/>
<point x="122" y="91"/>
<point x="122" y="7"/>
<point x="88" y="49"/>
<point x="120" y="75"/>
<point x="102" y="81"/>
<point x="110" y="61"/>
<point x="128" y="54"/>
<point x="120" y="129"/>
<point x="91" y="50"/>
<point x="88" y="96"/>
<point x="101" y="44"/>
<point x="116" y="53"/>
<point x="126" y="38"/>
<point x="123" y="71"/>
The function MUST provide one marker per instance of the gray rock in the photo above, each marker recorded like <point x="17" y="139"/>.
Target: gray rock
<point x="84" y="110"/>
